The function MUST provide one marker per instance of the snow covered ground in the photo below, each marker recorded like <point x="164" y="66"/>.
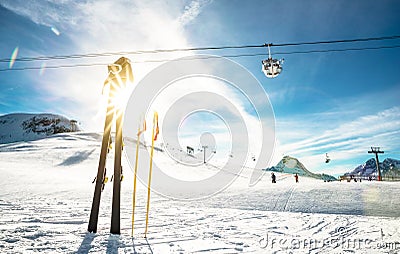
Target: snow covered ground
<point x="46" y="193"/>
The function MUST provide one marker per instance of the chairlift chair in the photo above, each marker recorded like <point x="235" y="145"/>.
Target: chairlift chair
<point x="327" y="159"/>
<point x="271" y="67"/>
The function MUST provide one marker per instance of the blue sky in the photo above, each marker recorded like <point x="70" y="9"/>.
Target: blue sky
<point x="338" y="102"/>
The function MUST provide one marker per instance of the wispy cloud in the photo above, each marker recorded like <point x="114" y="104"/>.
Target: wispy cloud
<point x="192" y="11"/>
<point x="365" y="126"/>
<point x="45" y="13"/>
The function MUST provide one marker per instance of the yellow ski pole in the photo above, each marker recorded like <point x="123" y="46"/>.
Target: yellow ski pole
<point x="134" y="181"/>
<point x="153" y="137"/>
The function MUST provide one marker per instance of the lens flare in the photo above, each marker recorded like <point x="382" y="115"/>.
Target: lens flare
<point x="13" y="57"/>
<point x="42" y="69"/>
<point x="55" y="30"/>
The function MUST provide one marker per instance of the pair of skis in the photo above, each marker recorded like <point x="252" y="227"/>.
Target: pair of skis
<point x="119" y="73"/>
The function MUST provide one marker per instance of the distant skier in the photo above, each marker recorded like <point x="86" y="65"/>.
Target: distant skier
<point x="296" y="176"/>
<point x="273" y="178"/>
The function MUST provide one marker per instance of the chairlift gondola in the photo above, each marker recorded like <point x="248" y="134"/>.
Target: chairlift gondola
<point x="327" y="159"/>
<point x="271" y="67"/>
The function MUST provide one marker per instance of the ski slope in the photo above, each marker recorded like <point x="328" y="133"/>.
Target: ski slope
<point x="46" y="194"/>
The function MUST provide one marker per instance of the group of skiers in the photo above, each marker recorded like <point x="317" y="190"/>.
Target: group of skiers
<point x="273" y="177"/>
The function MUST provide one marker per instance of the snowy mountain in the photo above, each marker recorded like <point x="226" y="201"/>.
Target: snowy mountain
<point x="292" y="165"/>
<point x="26" y="127"/>
<point x="389" y="167"/>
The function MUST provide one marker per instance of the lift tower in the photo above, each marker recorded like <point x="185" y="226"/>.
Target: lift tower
<point x="376" y="150"/>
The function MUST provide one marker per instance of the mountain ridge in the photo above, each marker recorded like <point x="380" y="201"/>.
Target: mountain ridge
<point x="17" y="127"/>
<point x="389" y="168"/>
<point x="292" y="165"/>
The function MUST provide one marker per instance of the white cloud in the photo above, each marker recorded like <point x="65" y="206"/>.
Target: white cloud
<point x="192" y="11"/>
<point x="365" y="126"/>
<point x="45" y="13"/>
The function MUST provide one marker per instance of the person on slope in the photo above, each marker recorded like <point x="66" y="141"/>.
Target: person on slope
<point x="296" y="176"/>
<point x="273" y="177"/>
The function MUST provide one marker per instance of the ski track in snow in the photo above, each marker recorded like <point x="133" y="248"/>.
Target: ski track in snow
<point x="46" y="194"/>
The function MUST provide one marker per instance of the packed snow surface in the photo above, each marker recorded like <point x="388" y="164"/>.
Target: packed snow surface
<point x="46" y="195"/>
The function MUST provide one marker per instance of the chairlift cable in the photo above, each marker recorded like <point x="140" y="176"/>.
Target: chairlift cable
<point x="202" y="57"/>
<point x="103" y="54"/>
<point x="337" y="41"/>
